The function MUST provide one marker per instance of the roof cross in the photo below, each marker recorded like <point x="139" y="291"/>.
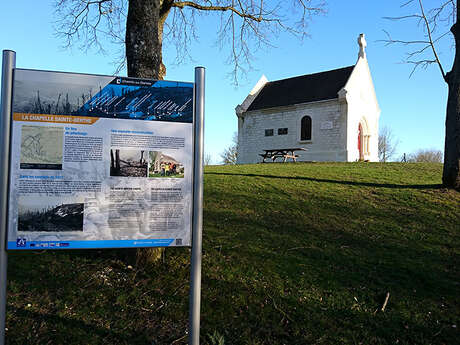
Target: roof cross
<point x="362" y="46"/>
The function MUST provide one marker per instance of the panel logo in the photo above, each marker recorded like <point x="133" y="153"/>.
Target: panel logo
<point x="21" y="242"/>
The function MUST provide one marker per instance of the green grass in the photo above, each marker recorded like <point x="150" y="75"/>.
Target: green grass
<point x="167" y="176"/>
<point x="292" y="254"/>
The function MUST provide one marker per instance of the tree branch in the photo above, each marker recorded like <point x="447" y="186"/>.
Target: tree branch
<point x="241" y="14"/>
<point x="428" y="29"/>
<point x="429" y="21"/>
<point x="86" y="19"/>
<point x="245" y="25"/>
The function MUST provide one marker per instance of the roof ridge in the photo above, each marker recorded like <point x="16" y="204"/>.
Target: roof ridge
<point x="310" y="74"/>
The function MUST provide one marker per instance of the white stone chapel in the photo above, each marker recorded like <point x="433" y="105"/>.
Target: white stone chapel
<point x="334" y="115"/>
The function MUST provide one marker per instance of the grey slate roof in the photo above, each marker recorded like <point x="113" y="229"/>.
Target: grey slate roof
<point x="302" y="89"/>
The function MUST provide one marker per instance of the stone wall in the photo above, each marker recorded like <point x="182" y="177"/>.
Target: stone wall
<point x="328" y="142"/>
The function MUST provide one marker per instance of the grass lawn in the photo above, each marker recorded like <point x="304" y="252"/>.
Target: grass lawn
<point x="167" y="176"/>
<point x="292" y="254"/>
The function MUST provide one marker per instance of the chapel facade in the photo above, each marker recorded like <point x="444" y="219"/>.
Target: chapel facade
<point x="334" y="115"/>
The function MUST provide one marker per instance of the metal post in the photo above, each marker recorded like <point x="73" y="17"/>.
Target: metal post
<point x="197" y="224"/>
<point x="9" y="62"/>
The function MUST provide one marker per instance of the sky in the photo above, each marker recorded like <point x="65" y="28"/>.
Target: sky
<point x="412" y="107"/>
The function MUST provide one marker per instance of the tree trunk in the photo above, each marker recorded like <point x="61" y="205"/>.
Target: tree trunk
<point x="451" y="172"/>
<point x="144" y="41"/>
<point x="144" y="38"/>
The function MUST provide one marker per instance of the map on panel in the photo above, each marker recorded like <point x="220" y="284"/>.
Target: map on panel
<point x="41" y="147"/>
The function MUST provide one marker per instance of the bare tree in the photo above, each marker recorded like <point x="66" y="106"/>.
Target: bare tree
<point x="427" y="156"/>
<point x="207" y="159"/>
<point x="141" y="25"/>
<point x="387" y="145"/>
<point x="230" y="154"/>
<point x="422" y="52"/>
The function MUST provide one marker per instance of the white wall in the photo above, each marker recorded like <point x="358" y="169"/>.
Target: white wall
<point x="327" y="144"/>
<point x="360" y="96"/>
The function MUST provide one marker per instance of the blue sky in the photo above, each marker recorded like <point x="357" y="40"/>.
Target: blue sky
<point x="414" y="108"/>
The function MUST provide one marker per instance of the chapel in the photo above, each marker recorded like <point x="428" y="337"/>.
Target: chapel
<point x="332" y="115"/>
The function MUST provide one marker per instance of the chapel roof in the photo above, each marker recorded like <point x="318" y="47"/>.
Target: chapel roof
<point x="302" y="89"/>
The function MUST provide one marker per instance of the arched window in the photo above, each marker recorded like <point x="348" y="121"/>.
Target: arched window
<point x="305" y="128"/>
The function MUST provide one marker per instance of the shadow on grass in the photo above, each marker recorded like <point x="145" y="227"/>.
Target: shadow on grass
<point x="350" y="183"/>
<point x="341" y="260"/>
<point x="344" y="243"/>
<point x="326" y="288"/>
<point x="265" y="316"/>
<point x="86" y="299"/>
<point x="82" y="332"/>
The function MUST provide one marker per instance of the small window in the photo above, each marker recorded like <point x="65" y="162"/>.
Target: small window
<point x="269" y="132"/>
<point x="282" y="131"/>
<point x="305" y="128"/>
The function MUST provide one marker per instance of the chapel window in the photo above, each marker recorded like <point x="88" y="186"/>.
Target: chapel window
<point x="269" y="132"/>
<point x="282" y="131"/>
<point x="305" y="128"/>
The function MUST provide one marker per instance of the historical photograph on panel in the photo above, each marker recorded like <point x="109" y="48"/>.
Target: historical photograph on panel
<point x="41" y="147"/>
<point x="128" y="163"/>
<point x="56" y="93"/>
<point x="162" y="165"/>
<point x="49" y="214"/>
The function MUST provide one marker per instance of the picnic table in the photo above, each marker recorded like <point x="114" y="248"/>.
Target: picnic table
<point x="273" y="154"/>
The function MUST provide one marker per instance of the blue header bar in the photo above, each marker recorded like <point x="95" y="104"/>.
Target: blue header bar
<point x="23" y="244"/>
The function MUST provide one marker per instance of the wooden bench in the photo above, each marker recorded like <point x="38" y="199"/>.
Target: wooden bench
<point x="280" y="153"/>
<point x="293" y="157"/>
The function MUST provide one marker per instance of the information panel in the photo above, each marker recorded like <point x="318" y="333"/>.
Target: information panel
<point x="99" y="162"/>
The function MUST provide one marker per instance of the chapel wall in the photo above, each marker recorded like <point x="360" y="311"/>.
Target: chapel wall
<point x="362" y="103"/>
<point x="328" y="142"/>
